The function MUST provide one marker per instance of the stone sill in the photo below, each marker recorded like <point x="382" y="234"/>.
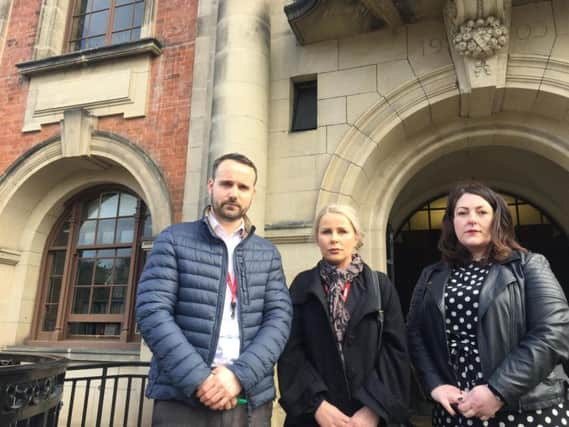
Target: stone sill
<point x="144" y="46"/>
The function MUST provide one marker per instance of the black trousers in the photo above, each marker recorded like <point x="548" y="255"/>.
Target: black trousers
<point x="172" y="413"/>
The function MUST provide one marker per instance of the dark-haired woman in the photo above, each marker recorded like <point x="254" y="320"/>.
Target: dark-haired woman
<point x="346" y="361"/>
<point x="488" y="326"/>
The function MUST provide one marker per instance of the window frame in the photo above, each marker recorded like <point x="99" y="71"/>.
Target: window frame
<point x="73" y="5"/>
<point x="300" y="87"/>
<point x="129" y="337"/>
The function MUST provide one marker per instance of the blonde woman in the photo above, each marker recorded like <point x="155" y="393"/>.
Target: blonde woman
<point x="346" y="362"/>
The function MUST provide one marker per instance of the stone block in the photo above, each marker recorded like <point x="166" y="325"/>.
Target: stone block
<point x="292" y="144"/>
<point x="533" y="29"/>
<point x="332" y="111"/>
<point x="551" y="105"/>
<point x="428" y="46"/>
<point x="347" y="82"/>
<point x="359" y="104"/>
<point x="294" y="174"/>
<point x="519" y="99"/>
<point x="281" y="89"/>
<point x="279" y="115"/>
<point x="373" y="48"/>
<point x="391" y="75"/>
<point x="289" y="59"/>
<point x="291" y="207"/>
<point x="334" y="136"/>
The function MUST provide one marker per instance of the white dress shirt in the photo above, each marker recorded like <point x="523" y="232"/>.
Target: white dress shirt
<point x="228" y="345"/>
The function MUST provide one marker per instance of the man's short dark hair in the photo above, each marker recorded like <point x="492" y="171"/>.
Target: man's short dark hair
<point x="236" y="157"/>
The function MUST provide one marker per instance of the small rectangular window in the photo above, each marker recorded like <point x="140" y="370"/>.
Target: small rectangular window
<point x="304" y="106"/>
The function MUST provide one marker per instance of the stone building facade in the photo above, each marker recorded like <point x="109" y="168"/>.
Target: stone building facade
<point x="403" y="99"/>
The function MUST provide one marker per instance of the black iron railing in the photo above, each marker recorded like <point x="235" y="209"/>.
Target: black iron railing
<point x="31" y="387"/>
<point x="105" y="394"/>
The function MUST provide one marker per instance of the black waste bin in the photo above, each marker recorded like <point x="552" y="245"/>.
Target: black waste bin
<point x="31" y="387"/>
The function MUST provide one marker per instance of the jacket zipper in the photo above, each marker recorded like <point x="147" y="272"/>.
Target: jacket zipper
<point x="220" y="305"/>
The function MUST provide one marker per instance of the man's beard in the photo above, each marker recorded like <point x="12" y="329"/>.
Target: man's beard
<point x="229" y="215"/>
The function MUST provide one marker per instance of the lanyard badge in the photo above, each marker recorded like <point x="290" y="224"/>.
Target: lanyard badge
<point x="232" y="285"/>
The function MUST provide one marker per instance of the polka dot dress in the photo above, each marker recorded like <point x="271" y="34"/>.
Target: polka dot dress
<point x="461" y="307"/>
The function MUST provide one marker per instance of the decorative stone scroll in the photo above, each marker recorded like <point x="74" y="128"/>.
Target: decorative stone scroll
<point x="476" y="27"/>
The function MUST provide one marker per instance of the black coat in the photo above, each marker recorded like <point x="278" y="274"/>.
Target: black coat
<point x="523" y="331"/>
<point x="311" y="370"/>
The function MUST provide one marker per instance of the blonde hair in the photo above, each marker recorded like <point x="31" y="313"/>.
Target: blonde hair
<point x="345" y="210"/>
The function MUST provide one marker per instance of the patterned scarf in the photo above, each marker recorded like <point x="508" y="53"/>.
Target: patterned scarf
<point x="335" y="281"/>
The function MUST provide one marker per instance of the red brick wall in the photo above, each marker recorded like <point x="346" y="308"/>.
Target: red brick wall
<point x="162" y="133"/>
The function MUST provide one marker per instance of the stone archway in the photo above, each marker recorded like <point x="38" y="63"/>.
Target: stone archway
<point x="33" y="192"/>
<point x="420" y="122"/>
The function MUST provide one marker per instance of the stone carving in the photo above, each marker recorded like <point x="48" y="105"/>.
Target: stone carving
<point x="477" y="29"/>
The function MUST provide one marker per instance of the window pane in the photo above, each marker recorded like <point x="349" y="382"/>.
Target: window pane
<point x="125" y="230"/>
<point x="118" y="299"/>
<point x="85" y="272"/>
<point x="420" y="221"/>
<point x="87" y="233"/>
<point x="63" y="235"/>
<point x="128" y="205"/>
<point x="147" y="231"/>
<point x="106" y="232"/>
<point x="122" y="268"/>
<point x="91" y="209"/>
<point x="100" y="4"/>
<point x="49" y="317"/>
<point x="124" y="252"/>
<point x="109" y="204"/>
<point x="304" y="111"/>
<point x="54" y="290"/>
<point x="135" y="34"/>
<point x="58" y="263"/>
<point x="138" y="14"/>
<point x="439" y="203"/>
<point x="122" y="37"/>
<point x="437" y="219"/>
<point x="100" y="300"/>
<point x="529" y="215"/>
<point x="92" y="328"/>
<point x="87" y="254"/>
<point x="123" y="18"/>
<point x="106" y="253"/>
<point x="93" y="43"/>
<point x="103" y="271"/>
<point x="81" y="302"/>
<point x="98" y="23"/>
<point x="122" y="2"/>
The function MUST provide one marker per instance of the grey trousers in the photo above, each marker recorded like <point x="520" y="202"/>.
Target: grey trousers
<point x="172" y="413"/>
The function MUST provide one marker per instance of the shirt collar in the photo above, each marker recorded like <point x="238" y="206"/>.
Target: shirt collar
<point x="220" y="231"/>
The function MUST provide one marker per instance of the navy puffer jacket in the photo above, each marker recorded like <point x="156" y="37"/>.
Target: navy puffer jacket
<point x="178" y="309"/>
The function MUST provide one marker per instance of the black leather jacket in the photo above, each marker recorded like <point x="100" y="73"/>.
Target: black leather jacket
<point x="523" y="332"/>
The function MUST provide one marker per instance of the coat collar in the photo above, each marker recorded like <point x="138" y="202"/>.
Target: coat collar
<point x="499" y="276"/>
<point x="310" y="285"/>
<point x="249" y="227"/>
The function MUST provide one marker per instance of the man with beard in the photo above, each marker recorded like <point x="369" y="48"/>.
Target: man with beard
<point x="213" y="306"/>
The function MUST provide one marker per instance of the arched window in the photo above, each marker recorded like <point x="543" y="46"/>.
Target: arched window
<point x="91" y="264"/>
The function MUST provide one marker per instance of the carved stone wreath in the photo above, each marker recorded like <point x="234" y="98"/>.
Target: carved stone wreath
<point x="480" y="38"/>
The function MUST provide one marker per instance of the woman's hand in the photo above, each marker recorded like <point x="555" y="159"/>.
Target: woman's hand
<point x="327" y="415"/>
<point x="364" y="417"/>
<point x="480" y="402"/>
<point x="447" y="395"/>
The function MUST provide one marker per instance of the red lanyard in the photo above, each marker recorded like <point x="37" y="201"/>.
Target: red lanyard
<point x="345" y="292"/>
<point x="232" y="285"/>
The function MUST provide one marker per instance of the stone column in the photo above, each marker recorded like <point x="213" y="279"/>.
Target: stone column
<point x="240" y="107"/>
